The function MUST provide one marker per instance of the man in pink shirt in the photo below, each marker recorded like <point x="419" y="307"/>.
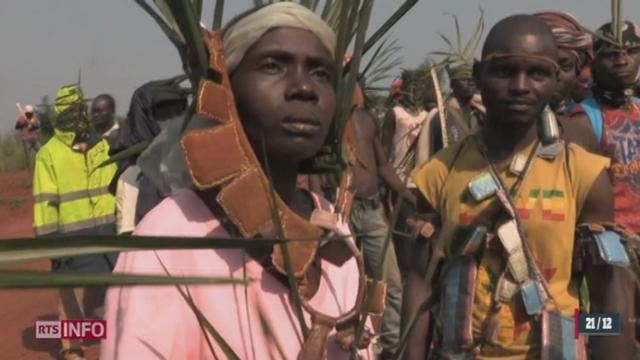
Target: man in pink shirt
<point x="281" y="64"/>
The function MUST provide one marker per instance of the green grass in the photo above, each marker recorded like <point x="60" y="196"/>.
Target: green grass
<point x="11" y="152"/>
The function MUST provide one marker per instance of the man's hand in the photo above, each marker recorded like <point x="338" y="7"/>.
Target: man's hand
<point x="420" y="227"/>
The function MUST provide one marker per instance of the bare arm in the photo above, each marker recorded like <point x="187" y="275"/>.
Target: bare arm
<point x="388" y="128"/>
<point x="612" y="292"/>
<point x="418" y="290"/>
<point x="386" y="170"/>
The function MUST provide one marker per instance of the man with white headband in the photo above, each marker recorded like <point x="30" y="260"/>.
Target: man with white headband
<point x="280" y="61"/>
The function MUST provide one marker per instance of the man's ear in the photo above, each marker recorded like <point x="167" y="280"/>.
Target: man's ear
<point x="477" y="71"/>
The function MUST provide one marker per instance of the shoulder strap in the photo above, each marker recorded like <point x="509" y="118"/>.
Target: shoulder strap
<point x="591" y="107"/>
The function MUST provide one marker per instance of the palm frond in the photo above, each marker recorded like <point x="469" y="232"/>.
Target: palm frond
<point x="375" y="55"/>
<point x="13" y="279"/>
<point x="458" y="35"/>
<point x="458" y="52"/>
<point x="381" y="65"/>
<point x="388" y="24"/>
<point x="474" y="41"/>
<point x="168" y="30"/>
<point x="197" y="7"/>
<point x="452" y="49"/>
<point x="163" y="7"/>
<point x="189" y="25"/>
<point x="127" y="153"/>
<point x="217" y="15"/>
<point x="29" y="249"/>
<point x="202" y="320"/>
<point x="294" y="293"/>
<point x="328" y="7"/>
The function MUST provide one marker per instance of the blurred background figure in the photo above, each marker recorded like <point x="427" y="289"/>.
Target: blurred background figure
<point x="103" y="118"/>
<point x="28" y="124"/>
<point x="153" y="107"/>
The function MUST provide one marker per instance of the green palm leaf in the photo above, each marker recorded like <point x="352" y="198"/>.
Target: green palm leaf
<point x="169" y="18"/>
<point x="448" y="42"/>
<point x="28" y="249"/>
<point x="474" y="41"/>
<point x="388" y="24"/>
<point x="12" y="279"/>
<point x="204" y="323"/>
<point x="173" y="35"/>
<point x="125" y="154"/>
<point x="217" y="15"/>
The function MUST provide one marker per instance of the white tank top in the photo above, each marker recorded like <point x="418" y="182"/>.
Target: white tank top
<point x="407" y="130"/>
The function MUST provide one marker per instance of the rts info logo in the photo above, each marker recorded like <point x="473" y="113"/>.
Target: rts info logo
<point x="72" y="329"/>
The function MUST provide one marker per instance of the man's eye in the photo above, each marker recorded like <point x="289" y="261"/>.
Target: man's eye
<point x="539" y="74"/>
<point x="567" y="66"/>
<point x="321" y="74"/>
<point x="502" y="71"/>
<point x="633" y="51"/>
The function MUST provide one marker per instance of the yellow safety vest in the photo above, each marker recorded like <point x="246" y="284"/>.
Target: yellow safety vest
<point x="71" y="193"/>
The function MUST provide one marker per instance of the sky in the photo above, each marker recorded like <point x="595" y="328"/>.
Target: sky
<point x="117" y="47"/>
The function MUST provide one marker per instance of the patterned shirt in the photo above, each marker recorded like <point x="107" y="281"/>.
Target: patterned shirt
<point x="621" y="142"/>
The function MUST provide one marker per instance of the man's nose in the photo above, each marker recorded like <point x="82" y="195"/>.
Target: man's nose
<point x="519" y="83"/>
<point x="621" y="59"/>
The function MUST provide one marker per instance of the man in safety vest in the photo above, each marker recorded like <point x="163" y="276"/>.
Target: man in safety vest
<point x="71" y="197"/>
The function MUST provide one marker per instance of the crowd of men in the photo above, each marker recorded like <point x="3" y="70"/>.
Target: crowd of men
<point x="518" y="196"/>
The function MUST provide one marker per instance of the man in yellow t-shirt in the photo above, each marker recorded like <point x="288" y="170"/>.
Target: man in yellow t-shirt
<point x="483" y="308"/>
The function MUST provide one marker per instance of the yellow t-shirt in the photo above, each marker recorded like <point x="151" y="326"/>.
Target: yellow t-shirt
<point x="549" y="202"/>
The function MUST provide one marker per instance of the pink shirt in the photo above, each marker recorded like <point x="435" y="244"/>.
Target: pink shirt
<point x="155" y="322"/>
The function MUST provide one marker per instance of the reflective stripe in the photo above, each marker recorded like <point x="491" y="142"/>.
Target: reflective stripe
<point x="83" y="194"/>
<point x="46" y="229"/>
<point x="89" y="223"/>
<point x="54" y="198"/>
<point x="99" y="191"/>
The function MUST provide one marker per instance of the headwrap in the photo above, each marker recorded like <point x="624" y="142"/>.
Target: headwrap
<point x="460" y="72"/>
<point x="70" y="110"/>
<point x="67" y="96"/>
<point x="241" y="35"/>
<point x="569" y="35"/>
<point x="630" y="37"/>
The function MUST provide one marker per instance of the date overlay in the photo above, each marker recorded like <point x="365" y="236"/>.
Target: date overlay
<point x="597" y="324"/>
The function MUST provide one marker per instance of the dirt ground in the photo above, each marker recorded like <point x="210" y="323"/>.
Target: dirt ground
<point x="20" y="309"/>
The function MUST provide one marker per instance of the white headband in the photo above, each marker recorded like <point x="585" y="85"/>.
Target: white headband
<point x="247" y="31"/>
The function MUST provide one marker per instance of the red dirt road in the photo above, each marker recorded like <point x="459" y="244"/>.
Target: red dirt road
<point x="19" y="309"/>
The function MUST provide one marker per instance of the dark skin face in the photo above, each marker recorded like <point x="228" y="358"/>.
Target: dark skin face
<point x="567" y="76"/>
<point x="284" y="93"/>
<point x="615" y="70"/>
<point x="101" y="107"/>
<point x="464" y="89"/>
<point x="516" y="89"/>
